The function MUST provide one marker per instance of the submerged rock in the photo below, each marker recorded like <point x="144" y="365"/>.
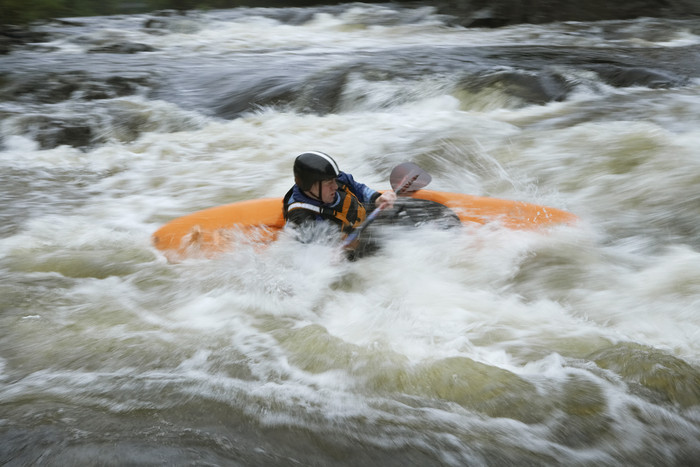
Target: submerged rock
<point x="653" y="374"/>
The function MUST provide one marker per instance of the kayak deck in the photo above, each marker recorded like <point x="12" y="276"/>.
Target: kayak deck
<point x="213" y="230"/>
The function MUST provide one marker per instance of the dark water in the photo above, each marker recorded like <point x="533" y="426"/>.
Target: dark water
<point x="486" y="346"/>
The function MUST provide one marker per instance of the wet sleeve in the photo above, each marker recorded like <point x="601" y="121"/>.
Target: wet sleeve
<point x="364" y="193"/>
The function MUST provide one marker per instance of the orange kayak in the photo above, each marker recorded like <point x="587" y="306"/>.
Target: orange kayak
<point x="215" y="229"/>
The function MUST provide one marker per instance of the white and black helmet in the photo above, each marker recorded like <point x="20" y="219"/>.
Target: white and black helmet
<point x="314" y="166"/>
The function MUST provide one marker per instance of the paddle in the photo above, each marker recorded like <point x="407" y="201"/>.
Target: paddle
<point x="405" y="177"/>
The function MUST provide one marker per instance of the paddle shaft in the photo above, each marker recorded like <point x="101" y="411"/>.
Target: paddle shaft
<point x="403" y="187"/>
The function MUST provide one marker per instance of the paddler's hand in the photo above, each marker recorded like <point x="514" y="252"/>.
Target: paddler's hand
<point x="386" y="201"/>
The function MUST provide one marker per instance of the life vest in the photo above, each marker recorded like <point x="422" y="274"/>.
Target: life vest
<point x="350" y="215"/>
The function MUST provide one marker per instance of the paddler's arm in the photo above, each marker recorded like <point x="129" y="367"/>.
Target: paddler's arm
<point x="369" y="197"/>
<point x="385" y="200"/>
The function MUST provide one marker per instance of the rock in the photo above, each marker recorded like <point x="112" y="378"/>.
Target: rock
<point x="51" y="132"/>
<point x="12" y="36"/>
<point x="123" y="48"/>
<point x="51" y="88"/>
<point x="637" y="76"/>
<point x="531" y="88"/>
<point x="496" y="13"/>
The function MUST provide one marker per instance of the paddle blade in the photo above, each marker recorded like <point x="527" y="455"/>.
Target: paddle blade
<point x="408" y="177"/>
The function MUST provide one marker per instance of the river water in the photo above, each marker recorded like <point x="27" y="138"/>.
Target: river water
<point x="475" y="346"/>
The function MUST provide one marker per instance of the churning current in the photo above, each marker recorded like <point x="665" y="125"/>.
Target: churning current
<point x="474" y="346"/>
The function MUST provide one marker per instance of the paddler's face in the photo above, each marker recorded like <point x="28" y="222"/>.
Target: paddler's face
<point x="328" y="189"/>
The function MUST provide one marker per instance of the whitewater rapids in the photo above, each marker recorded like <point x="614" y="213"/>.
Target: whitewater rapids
<point x="474" y="346"/>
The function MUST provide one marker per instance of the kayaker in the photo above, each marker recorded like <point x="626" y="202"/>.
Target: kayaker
<point x="322" y="192"/>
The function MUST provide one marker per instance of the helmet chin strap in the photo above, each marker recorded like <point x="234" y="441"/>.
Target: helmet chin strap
<point x="312" y="195"/>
